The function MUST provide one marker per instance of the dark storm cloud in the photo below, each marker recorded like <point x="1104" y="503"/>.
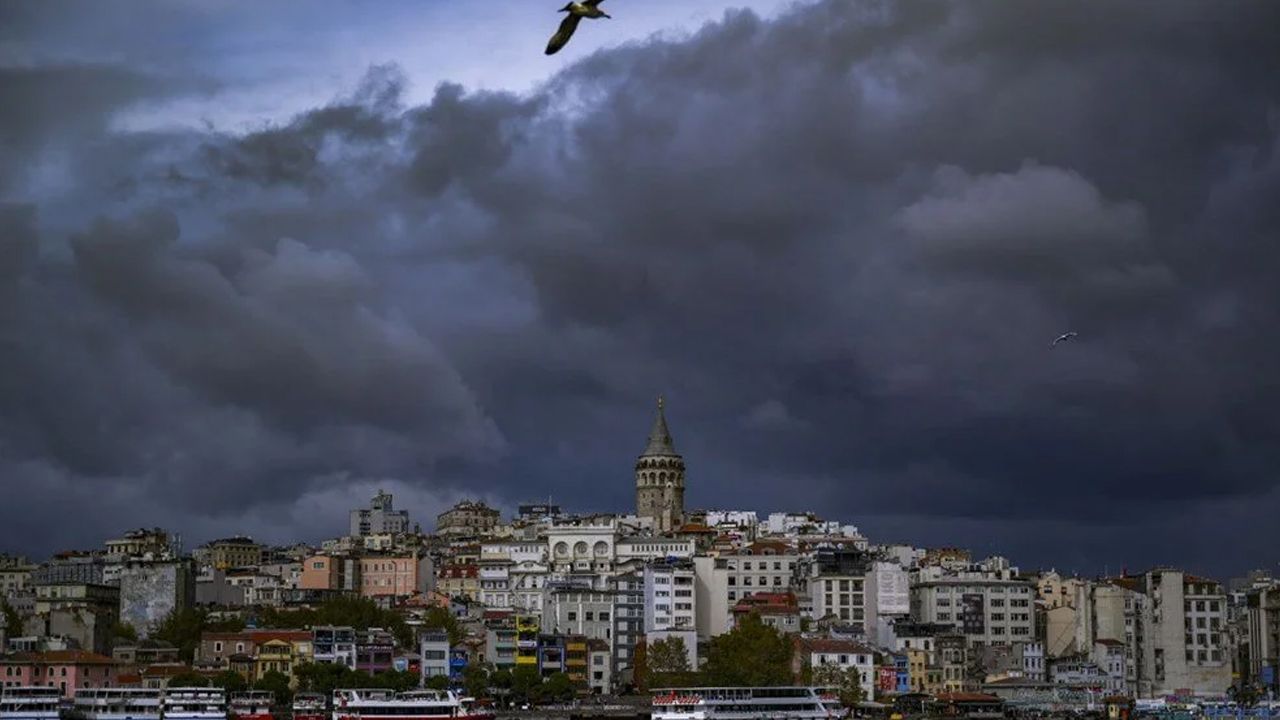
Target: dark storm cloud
<point x="840" y="242"/>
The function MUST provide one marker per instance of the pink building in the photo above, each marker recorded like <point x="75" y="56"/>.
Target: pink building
<point x="67" y="670"/>
<point x="321" y="572"/>
<point x="394" y="575"/>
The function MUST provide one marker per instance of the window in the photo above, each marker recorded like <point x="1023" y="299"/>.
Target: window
<point x="604" y="614"/>
<point x="217" y="646"/>
<point x="573" y="615"/>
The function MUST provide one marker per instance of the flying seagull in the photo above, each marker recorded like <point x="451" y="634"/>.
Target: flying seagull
<point x="577" y="10"/>
<point x="1063" y="337"/>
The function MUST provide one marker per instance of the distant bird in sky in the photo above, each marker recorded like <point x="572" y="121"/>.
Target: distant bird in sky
<point x="577" y="11"/>
<point x="1061" y="338"/>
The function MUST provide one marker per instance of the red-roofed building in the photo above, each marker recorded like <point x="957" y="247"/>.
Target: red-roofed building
<point x="157" y="676"/>
<point x="67" y="670"/>
<point x="768" y="547"/>
<point x="778" y="610"/>
<point x="460" y="581"/>
<point x="814" y="653"/>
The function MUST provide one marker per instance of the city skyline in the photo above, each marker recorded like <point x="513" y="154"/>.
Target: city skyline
<point x="249" y="276"/>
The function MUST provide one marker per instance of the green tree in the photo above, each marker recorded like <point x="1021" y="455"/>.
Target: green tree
<point x="752" y="655"/>
<point x="124" y="632"/>
<point x="558" y="687"/>
<point x="188" y="679"/>
<point x="182" y="629"/>
<point x="12" y="620"/>
<point x="357" y="612"/>
<point x="232" y="624"/>
<point x="397" y="680"/>
<point x="475" y="680"/>
<point x="667" y="663"/>
<point x="276" y="683"/>
<point x="500" y="682"/>
<point x="847" y="683"/>
<point x="438" y="682"/>
<point x="438" y="618"/>
<point x="229" y="680"/>
<point x="525" y="681"/>
<point x="323" y="678"/>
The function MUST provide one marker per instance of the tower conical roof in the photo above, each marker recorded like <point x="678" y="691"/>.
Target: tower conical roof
<point x="659" y="436"/>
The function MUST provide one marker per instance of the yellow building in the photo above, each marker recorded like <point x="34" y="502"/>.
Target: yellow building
<point x="575" y="661"/>
<point x="527" y="627"/>
<point x="236" y="552"/>
<point x="281" y="651"/>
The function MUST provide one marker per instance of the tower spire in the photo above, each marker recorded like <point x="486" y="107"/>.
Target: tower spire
<point x="660" y="437"/>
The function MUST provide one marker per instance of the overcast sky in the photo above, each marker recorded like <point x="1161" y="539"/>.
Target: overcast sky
<point x="258" y="260"/>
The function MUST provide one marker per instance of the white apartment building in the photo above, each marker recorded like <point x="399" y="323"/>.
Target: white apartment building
<point x="379" y="518"/>
<point x="669" y="598"/>
<point x="844" y="654"/>
<point x="579" y="611"/>
<point x="888" y="597"/>
<point x="841" y="597"/>
<point x="722" y="581"/>
<point x="990" y="607"/>
<point x="1180" y="634"/>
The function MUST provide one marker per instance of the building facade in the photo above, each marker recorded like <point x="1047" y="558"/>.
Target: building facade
<point x="990" y="607"/>
<point x="669" y="598"/>
<point x="233" y="552"/>
<point x="722" y="581"/>
<point x="469" y="518"/>
<point x="152" y="589"/>
<point x="379" y="518"/>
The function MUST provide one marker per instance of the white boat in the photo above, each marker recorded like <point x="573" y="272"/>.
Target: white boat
<point x="252" y="705"/>
<point x="116" y="704"/>
<point x="379" y="704"/>
<point x="744" y="703"/>
<point x="29" y="703"/>
<point x="194" y="704"/>
<point x="309" y="706"/>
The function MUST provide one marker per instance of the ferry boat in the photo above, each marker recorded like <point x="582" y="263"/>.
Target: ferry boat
<point x="29" y="703"/>
<point x="380" y="704"/>
<point x="116" y="704"/>
<point x="744" y="703"/>
<point x="309" y="706"/>
<point x="252" y="705"/>
<point x="194" y="704"/>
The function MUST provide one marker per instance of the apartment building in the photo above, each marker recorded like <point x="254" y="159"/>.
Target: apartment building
<point x="990" y="607"/>
<point x="721" y="581"/>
